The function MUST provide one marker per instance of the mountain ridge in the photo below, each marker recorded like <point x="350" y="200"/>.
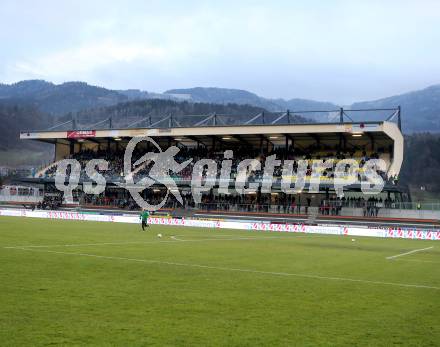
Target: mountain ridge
<point x="420" y="108"/>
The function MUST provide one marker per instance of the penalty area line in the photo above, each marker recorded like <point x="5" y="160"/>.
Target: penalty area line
<point x="221" y="268"/>
<point x="408" y="253"/>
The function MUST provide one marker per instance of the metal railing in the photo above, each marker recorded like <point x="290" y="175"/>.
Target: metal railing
<point x="168" y="120"/>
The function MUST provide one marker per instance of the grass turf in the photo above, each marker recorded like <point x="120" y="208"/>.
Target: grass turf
<point x="217" y="287"/>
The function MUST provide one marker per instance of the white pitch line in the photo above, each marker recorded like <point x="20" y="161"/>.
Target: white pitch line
<point x="410" y="252"/>
<point x="121" y="243"/>
<point x="174" y="240"/>
<point x="127" y="243"/>
<point x="86" y="244"/>
<point x="221" y="268"/>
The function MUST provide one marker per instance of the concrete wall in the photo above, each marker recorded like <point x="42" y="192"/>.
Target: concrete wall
<point x="417" y="214"/>
<point x="394" y="213"/>
<point x="21" y="199"/>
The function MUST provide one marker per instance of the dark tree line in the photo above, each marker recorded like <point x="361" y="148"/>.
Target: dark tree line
<point x="126" y="112"/>
<point x="421" y="164"/>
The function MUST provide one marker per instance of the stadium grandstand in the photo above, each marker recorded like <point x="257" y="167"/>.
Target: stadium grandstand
<point x="249" y="136"/>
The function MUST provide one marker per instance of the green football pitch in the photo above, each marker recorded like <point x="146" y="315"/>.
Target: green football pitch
<point x="77" y="283"/>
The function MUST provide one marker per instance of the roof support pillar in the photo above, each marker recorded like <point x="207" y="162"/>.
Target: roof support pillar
<point x="71" y="147"/>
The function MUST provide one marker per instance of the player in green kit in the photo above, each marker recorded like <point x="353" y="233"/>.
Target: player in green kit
<point x="144" y="218"/>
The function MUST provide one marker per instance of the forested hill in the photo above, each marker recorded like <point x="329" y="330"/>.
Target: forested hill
<point x="421" y="164"/>
<point x="420" y="109"/>
<point x="15" y="117"/>
<point x="14" y="152"/>
<point x="242" y="97"/>
<point x="124" y="113"/>
<point x="62" y="98"/>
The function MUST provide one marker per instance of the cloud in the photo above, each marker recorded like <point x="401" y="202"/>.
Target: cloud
<point x="340" y="50"/>
<point x="84" y="59"/>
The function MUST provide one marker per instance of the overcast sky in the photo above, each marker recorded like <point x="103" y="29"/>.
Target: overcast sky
<point x="340" y="51"/>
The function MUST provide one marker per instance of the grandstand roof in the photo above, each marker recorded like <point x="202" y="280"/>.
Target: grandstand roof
<point x="275" y="129"/>
<point x="354" y="132"/>
<point x="203" y="121"/>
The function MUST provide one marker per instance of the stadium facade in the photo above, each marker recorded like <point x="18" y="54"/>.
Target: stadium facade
<point x="249" y="137"/>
